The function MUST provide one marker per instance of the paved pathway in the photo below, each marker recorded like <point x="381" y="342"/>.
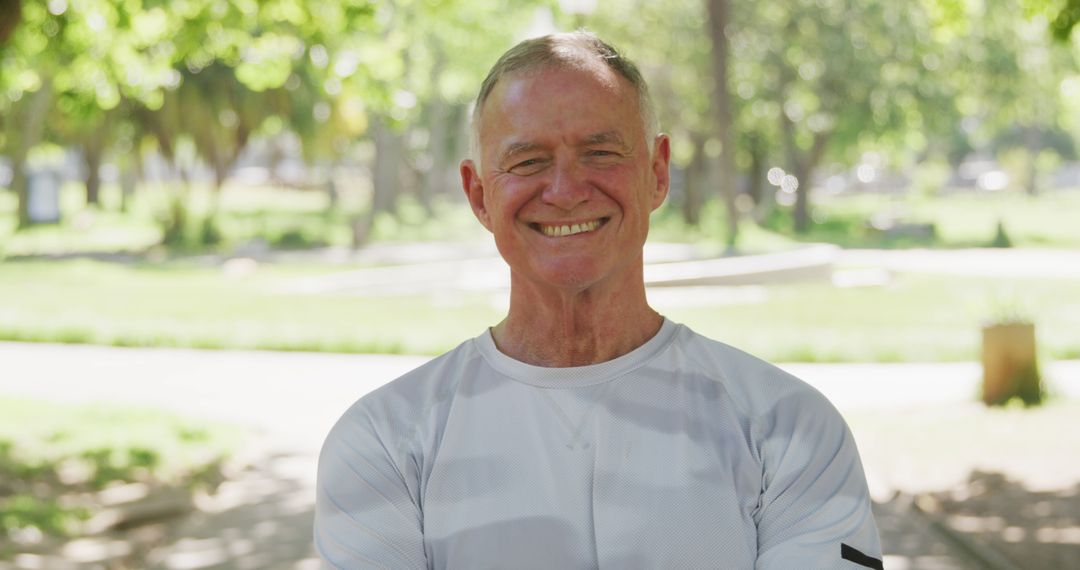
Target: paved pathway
<point x="987" y="262"/>
<point x="262" y="519"/>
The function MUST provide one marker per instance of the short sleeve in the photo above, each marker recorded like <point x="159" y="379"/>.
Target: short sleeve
<point x="366" y="515"/>
<point x="815" y="509"/>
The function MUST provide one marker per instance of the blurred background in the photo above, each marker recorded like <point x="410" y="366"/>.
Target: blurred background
<point x="222" y="222"/>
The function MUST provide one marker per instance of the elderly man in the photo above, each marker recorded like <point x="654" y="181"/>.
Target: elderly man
<point x="586" y="430"/>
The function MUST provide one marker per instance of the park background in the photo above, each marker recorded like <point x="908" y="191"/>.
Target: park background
<point x="221" y="222"/>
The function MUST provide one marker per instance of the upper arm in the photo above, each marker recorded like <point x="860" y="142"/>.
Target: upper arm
<point x="366" y="515"/>
<point x="814" y="498"/>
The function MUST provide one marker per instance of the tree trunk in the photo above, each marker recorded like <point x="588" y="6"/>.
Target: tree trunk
<point x="802" y="198"/>
<point x="803" y="171"/>
<point x="696" y="179"/>
<point x="92" y="151"/>
<point x="461" y="147"/>
<point x="330" y="185"/>
<point x="127" y="185"/>
<point x="801" y="166"/>
<point x="1010" y="364"/>
<point x="277" y="154"/>
<point x="794" y="166"/>
<point x="221" y="173"/>
<point x="719" y="19"/>
<point x="756" y="176"/>
<point x="434" y="178"/>
<point x="756" y="180"/>
<point x="385" y="180"/>
<point x="31" y="130"/>
<point x="1032" y="145"/>
<point x="10" y="15"/>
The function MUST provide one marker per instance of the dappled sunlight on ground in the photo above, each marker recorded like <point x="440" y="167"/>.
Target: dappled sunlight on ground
<point x="989" y="484"/>
<point x="909" y="544"/>
<point x="1033" y="529"/>
<point x="262" y="519"/>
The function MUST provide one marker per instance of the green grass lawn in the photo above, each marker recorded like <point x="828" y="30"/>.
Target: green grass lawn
<point x="289" y="218"/>
<point x="53" y="455"/>
<point x="960" y="220"/>
<point x="183" y="305"/>
<point x="283" y="218"/>
<point x="914" y="318"/>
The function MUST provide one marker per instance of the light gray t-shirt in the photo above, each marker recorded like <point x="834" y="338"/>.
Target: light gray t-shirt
<point x="685" y="453"/>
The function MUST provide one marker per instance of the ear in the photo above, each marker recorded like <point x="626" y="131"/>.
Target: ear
<point x="474" y="191"/>
<point x="661" y="159"/>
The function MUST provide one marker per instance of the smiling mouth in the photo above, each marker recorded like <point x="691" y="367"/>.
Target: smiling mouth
<point x="563" y="230"/>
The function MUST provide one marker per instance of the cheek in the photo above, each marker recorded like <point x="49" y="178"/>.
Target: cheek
<point x="501" y="212"/>
<point x="509" y="200"/>
<point x="632" y="194"/>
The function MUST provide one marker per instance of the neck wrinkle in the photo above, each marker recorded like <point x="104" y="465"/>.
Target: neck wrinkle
<point x="563" y="329"/>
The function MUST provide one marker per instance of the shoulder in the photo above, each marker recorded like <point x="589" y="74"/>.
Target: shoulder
<point x="758" y="388"/>
<point x="423" y="386"/>
<point x="394" y="411"/>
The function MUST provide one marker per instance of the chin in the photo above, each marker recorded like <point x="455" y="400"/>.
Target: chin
<point x="570" y="275"/>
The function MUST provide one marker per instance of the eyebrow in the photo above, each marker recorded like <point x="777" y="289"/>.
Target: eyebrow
<point x="517" y="148"/>
<point x="606" y="137"/>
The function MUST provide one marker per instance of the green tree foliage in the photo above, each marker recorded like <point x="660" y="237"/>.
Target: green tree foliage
<point x="809" y="83"/>
<point x="810" y="80"/>
<point x="1063" y="15"/>
<point x="217" y="73"/>
<point x="1008" y="81"/>
<point x="1066" y="19"/>
<point x="75" y="62"/>
<point x="818" y="82"/>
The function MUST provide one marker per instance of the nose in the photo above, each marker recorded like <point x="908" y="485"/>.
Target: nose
<point x="568" y="187"/>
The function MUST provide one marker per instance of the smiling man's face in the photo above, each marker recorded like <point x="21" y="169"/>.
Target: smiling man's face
<point x="568" y="180"/>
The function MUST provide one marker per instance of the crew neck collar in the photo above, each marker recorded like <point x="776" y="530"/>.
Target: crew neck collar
<point x="574" y="376"/>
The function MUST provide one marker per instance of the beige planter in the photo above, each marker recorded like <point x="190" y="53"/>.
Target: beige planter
<point x="1010" y="364"/>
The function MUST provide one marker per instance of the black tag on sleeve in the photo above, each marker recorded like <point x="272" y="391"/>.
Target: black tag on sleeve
<point x="853" y="555"/>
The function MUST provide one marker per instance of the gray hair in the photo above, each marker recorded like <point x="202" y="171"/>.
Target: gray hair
<point x="571" y="50"/>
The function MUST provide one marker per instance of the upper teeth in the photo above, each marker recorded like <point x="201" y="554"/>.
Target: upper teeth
<point x="569" y="230"/>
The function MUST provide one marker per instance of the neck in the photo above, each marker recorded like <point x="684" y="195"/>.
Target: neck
<point x="556" y="328"/>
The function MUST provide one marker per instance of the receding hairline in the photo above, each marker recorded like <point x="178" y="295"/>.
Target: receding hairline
<point x="580" y="51"/>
